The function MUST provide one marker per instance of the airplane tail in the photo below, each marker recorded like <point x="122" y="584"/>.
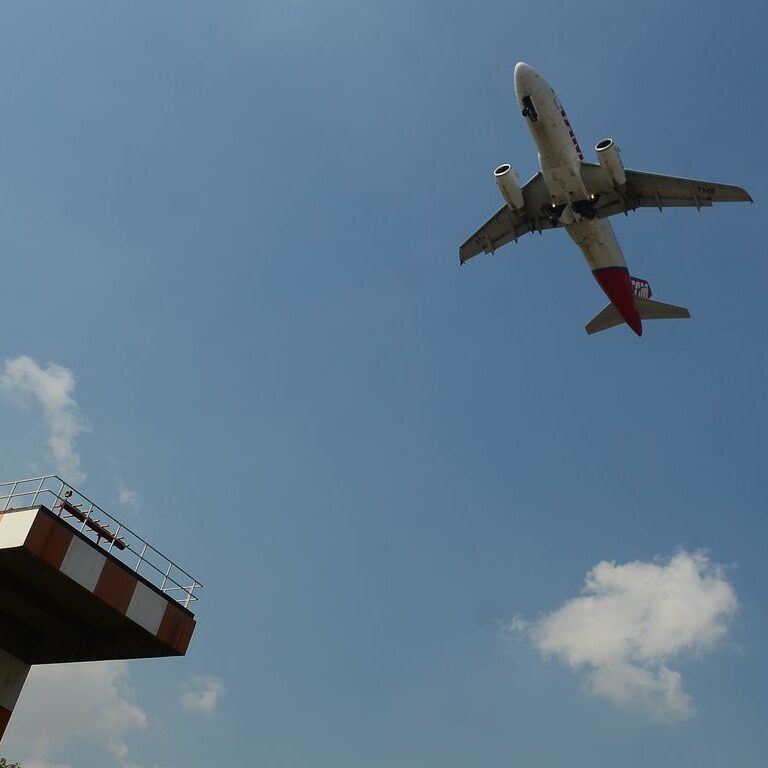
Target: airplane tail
<point x="646" y="308"/>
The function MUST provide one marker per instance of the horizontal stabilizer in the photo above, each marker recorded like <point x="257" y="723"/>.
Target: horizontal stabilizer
<point x="646" y="308"/>
<point x="608" y="318"/>
<point x="657" y="310"/>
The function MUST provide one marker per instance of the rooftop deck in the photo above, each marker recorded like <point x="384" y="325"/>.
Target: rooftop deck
<point x="90" y="520"/>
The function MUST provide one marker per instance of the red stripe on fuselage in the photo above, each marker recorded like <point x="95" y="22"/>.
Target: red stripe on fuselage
<point x="570" y="132"/>
<point x="617" y="287"/>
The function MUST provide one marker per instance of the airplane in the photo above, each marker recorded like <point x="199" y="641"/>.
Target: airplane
<point x="580" y="196"/>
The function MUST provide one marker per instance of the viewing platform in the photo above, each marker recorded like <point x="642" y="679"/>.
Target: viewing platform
<point x="78" y="585"/>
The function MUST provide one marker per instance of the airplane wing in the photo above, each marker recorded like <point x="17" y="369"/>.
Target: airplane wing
<point x="651" y="190"/>
<point x="508" y="225"/>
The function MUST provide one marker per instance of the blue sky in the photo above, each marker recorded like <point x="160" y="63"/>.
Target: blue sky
<point x="237" y="225"/>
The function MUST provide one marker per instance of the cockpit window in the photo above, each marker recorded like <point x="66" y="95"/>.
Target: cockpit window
<point x="529" y="110"/>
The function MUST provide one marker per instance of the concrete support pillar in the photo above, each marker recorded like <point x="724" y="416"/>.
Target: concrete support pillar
<point x="13" y="673"/>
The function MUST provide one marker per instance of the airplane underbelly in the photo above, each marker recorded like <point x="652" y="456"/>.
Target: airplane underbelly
<point x="561" y="169"/>
<point x="598" y="243"/>
<point x="564" y="182"/>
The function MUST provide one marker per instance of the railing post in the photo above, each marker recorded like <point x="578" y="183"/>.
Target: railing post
<point x="37" y="492"/>
<point x="10" y="496"/>
<point x="112" y="543"/>
<point x="141" y="557"/>
<point x="60" y="497"/>
<point x="87" y="518"/>
<point x="167" y="574"/>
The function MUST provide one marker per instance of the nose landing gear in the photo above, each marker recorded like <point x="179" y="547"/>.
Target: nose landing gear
<point x="529" y="110"/>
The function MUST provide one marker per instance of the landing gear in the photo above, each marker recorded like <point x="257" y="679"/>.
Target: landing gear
<point x="529" y="110"/>
<point x="585" y="208"/>
<point x="554" y="212"/>
<point x="570" y="213"/>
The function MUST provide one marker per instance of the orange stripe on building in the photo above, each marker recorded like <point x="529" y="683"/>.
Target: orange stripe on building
<point x="49" y="540"/>
<point x="176" y="628"/>
<point x="115" y="586"/>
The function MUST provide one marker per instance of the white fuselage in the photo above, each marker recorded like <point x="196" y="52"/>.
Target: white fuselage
<point x="560" y="158"/>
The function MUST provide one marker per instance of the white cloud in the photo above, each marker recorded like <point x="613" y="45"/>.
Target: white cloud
<point x="78" y="703"/>
<point x="631" y="621"/>
<point x="202" y="695"/>
<point x="52" y="388"/>
<point x="128" y="497"/>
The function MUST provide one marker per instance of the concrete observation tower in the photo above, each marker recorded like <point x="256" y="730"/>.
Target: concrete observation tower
<point x="77" y="585"/>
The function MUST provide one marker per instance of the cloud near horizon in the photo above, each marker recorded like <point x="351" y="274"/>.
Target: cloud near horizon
<point x="631" y="621"/>
<point x="87" y="703"/>
<point x="52" y="389"/>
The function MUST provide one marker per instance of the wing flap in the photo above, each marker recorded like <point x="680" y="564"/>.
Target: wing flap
<point x="652" y="190"/>
<point x="505" y="225"/>
<point x="678" y="191"/>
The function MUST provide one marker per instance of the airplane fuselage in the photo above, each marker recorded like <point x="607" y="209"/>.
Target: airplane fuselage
<point x="560" y="159"/>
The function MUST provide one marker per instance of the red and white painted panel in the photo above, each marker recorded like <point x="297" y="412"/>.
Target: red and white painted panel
<point x="58" y="545"/>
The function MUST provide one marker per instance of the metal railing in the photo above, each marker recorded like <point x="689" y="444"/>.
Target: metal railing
<point x="109" y="533"/>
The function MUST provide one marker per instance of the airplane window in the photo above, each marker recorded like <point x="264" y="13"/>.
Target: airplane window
<point x="529" y="110"/>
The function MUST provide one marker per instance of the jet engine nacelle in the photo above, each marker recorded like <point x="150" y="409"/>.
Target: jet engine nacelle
<point x="610" y="161"/>
<point x="509" y="186"/>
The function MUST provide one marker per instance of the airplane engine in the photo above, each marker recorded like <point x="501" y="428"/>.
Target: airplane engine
<point x="509" y="186"/>
<point x="610" y="161"/>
